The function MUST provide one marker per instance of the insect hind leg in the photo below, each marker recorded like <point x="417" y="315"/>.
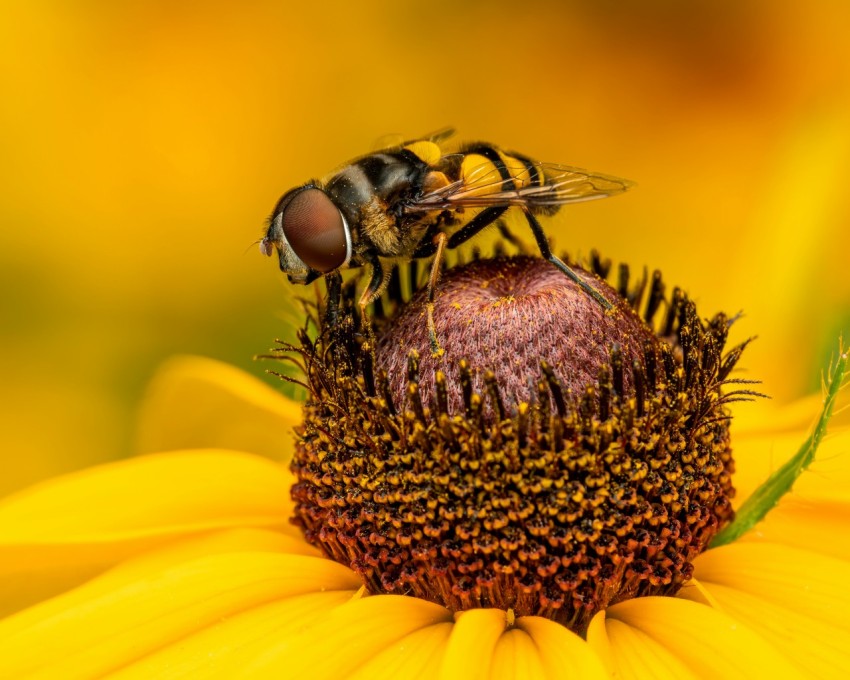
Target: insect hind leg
<point x="546" y="252"/>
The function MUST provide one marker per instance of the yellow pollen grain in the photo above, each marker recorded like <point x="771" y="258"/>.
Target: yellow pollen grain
<point x="503" y="301"/>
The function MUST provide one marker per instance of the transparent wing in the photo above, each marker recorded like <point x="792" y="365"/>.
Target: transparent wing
<point x="387" y="142"/>
<point x="394" y="141"/>
<point x="484" y="187"/>
<point x="438" y="136"/>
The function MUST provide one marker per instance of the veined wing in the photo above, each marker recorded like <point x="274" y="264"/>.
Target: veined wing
<point x="392" y="142"/>
<point x="484" y="186"/>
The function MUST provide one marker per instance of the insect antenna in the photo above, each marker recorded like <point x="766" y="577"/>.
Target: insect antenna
<point x="253" y="243"/>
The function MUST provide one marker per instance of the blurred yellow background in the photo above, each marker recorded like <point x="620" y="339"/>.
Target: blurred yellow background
<point x="144" y="144"/>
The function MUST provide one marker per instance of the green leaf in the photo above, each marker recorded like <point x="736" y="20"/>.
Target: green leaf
<point x="765" y="498"/>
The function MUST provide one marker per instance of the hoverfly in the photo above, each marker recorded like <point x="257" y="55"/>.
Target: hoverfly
<point x="413" y="201"/>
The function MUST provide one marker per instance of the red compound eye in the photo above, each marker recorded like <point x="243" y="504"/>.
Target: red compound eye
<point x="315" y="230"/>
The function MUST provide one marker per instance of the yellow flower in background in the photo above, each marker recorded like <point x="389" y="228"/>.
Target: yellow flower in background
<point x="185" y="564"/>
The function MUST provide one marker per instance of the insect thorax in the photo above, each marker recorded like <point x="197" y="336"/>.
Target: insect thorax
<point x="372" y="191"/>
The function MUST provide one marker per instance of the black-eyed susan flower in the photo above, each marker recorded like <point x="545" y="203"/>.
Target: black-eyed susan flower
<point x="455" y="550"/>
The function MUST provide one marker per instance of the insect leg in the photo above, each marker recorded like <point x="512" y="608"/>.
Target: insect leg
<point x="440" y="244"/>
<point x="372" y="291"/>
<point x="546" y="252"/>
<point x="334" y="283"/>
<point x="428" y="245"/>
<point x="476" y="224"/>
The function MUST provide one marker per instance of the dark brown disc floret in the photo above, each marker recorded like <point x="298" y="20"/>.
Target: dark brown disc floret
<point x="556" y="459"/>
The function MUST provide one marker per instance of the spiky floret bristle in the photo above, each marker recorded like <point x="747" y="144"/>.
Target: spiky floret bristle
<point x="452" y="484"/>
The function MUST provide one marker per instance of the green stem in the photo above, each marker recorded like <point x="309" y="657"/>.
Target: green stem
<point x="765" y="498"/>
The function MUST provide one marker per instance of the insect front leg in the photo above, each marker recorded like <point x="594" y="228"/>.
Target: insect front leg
<point x="370" y="294"/>
<point x="333" y="281"/>
<point x="546" y="252"/>
<point x="437" y="246"/>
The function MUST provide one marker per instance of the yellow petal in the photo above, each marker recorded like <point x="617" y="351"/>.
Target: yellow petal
<point x="631" y="653"/>
<point x="799" y="580"/>
<point x="70" y="528"/>
<point x="819" y="527"/>
<point x="820" y="649"/>
<point x="114" y="620"/>
<point x="827" y="479"/>
<point x="223" y="649"/>
<point x="226" y="646"/>
<point x="815" y="515"/>
<point x="765" y="417"/>
<point x="470" y="652"/>
<point x="757" y="456"/>
<point x="150" y="495"/>
<point x="195" y="402"/>
<point x="516" y="656"/>
<point x="350" y="636"/>
<point x="707" y="642"/>
<point x="212" y="543"/>
<point x="417" y="655"/>
<point x="562" y="652"/>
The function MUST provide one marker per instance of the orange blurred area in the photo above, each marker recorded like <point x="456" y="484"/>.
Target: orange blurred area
<point x="144" y="144"/>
